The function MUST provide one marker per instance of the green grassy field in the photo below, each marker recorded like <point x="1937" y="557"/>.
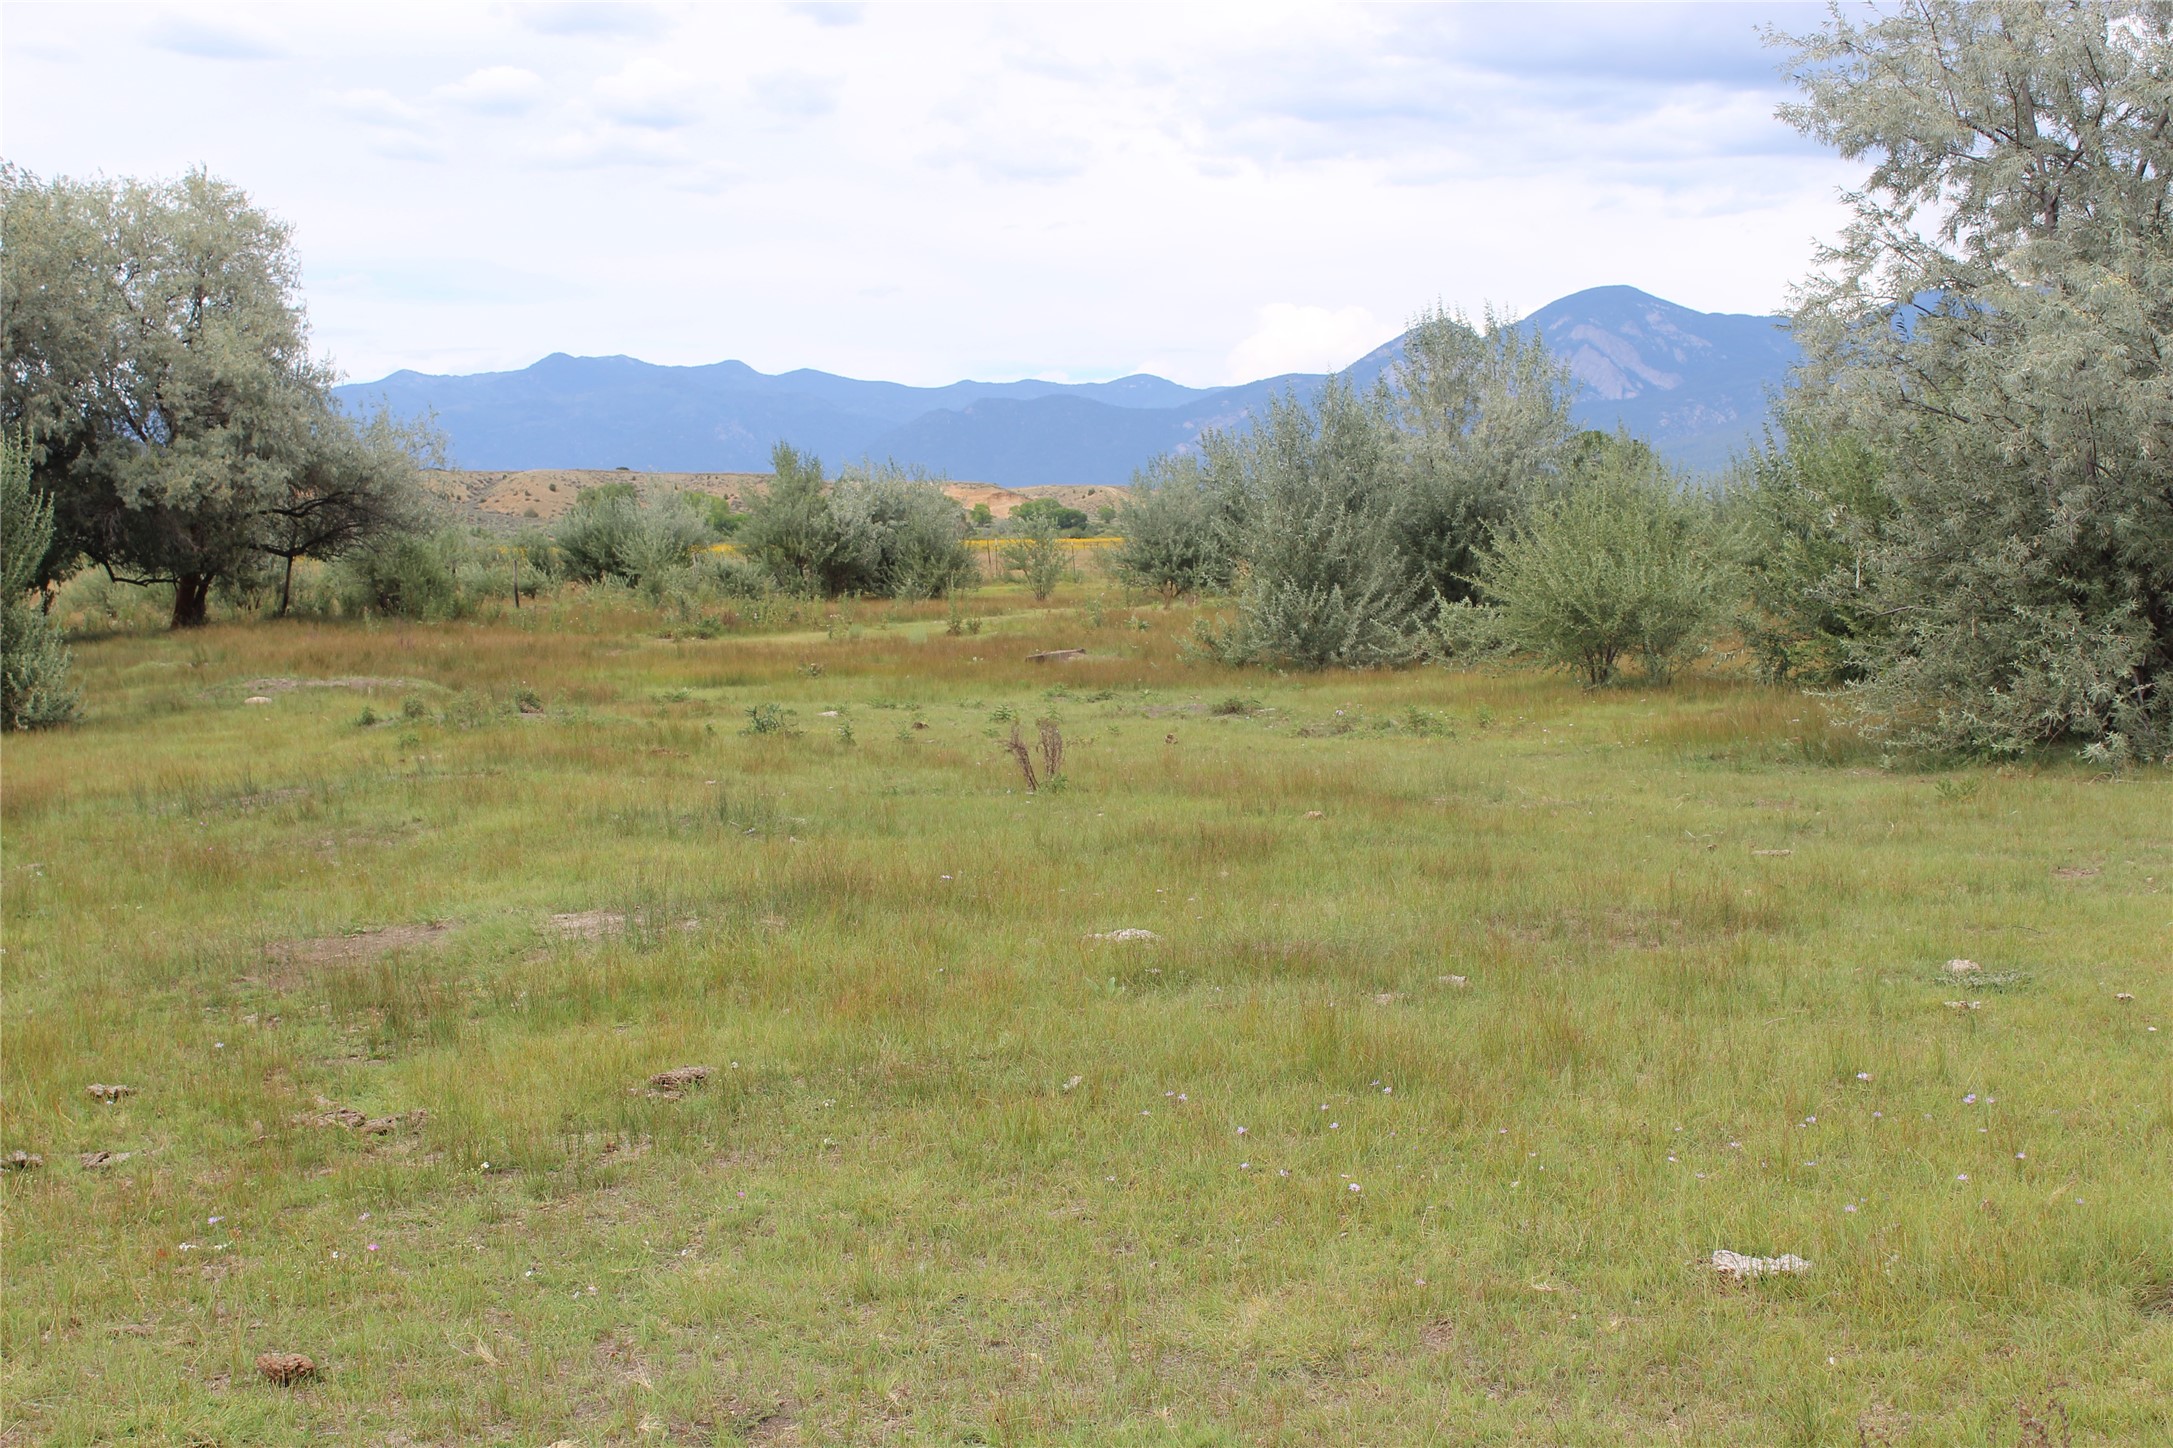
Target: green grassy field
<point x="964" y="1173"/>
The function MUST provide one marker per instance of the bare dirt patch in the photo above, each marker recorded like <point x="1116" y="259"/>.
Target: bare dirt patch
<point x="506" y="499"/>
<point x="588" y="924"/>
<point x="358" y="681"/>
<point x="596" y="924"/>
<point x="357" y="946"/>
<point x="331" y="1113"/>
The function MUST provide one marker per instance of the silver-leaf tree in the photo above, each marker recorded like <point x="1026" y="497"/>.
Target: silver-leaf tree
<point x="155" y="349"/>
<point x="1996" y="323"/>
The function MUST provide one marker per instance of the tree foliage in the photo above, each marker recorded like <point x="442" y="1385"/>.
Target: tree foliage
<point x="34" y="688"/>
<point x="156" y="349"/>
<point x="902" y="535"/>
<point x="1060" y="517"/>
<point x="1995" y="325"/>
<point x="1329" y="580"/>
<point x="1484" y="421"/>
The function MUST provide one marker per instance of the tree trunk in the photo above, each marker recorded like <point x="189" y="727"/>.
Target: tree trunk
<point x="192" y="591"/>
<point x="286" y="587"/>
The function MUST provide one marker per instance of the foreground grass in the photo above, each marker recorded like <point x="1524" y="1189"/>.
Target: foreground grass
<point x="966" y="1174"/>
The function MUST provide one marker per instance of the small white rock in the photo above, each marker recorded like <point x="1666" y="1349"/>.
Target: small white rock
<point x="1740" y="1267"/>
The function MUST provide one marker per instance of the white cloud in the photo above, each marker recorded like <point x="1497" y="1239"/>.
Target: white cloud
<point x="830" y="14"/>
<point x="610" y="145"/>
<point x="615" y="17"/>
<point x="796" y="94"/>
<point x="377" y="108"/>
<point x="1288" y="337"/>
<point x="495" y="90"/>
<point x="210" y="42"/>
<point x="649" y="93"/>
<point x="388" y="126"/>
<point x="942" y="191"/>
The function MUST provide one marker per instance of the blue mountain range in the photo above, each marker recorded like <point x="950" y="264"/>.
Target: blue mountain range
<point x="1693" y="384"/>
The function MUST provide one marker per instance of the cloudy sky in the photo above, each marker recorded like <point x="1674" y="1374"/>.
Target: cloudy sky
<point x="923" y="193"/>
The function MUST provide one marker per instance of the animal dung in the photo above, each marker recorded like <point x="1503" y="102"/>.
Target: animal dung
<point x="286" y="1368"/>
<point x="671" y="1084"/>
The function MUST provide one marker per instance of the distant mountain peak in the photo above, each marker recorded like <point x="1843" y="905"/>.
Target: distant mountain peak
<point x="1693" y="383"/>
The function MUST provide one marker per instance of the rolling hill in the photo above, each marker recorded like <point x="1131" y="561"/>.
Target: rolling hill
<point x="1693" y="383"/>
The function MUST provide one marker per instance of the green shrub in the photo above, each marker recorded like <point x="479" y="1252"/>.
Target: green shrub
<point x="34" y="688"/>
<point x="609" y="534"/>
<point x="899" y="534"/>
<point x="790" y="530"/>
<point x="721" y="576"/>
<point x="1808" y="514"/>
<point x="1326" y="581"/>
<point x="1038" y="556"/>
<point x="770" y="719"/>
<point x="401" y="577"/>
<point x="1055" y="514"/>
<point x="1623" y="563"/>
<point x="1175" y="542"/>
